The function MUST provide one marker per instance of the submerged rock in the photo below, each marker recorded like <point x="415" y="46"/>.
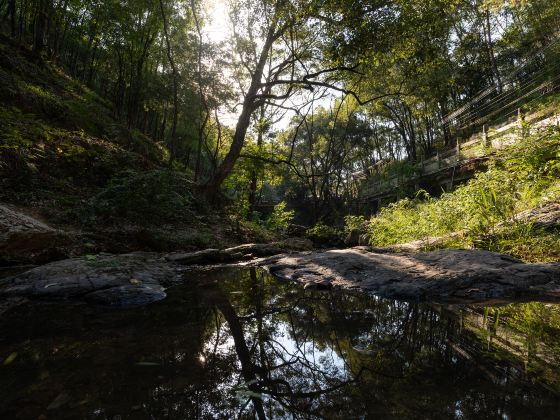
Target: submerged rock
<point x="124" y="280"/>
<point x="129" y="295"/>
<point x="446" y="275"/>
<point x="206" y="256"/>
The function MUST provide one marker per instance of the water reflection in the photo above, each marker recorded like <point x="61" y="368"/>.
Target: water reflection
<point x="239" y="344"/>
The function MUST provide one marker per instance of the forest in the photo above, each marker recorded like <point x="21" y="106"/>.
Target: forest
<point x="320" y="207"/>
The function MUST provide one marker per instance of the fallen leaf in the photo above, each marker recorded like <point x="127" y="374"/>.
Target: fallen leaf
<point x="10" y="358"/>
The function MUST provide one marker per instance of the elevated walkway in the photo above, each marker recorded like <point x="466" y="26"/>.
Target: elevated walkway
<point x="455" y="165"/>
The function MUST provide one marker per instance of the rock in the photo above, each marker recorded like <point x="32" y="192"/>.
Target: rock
<point x="296" y="244"/>
<point x="129" y="295"/>
<point x="296" y="230"/>
<point x="318" y="285"/>
<point x="256" y="250"/>
<point x="24" y="239"/>
<point x="13" y="221"/>
<point x="546" y="216"/>
<point x="364" y="240"/>
<point x="443" y="276"/>
<point x="238" y="253"/>
<point x="206" y="256"/>
<point x="127" y="279"/>
<point x="353" y="238"/>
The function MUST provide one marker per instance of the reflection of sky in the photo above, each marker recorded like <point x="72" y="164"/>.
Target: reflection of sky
<point x="324" y="359"/>
<point x="310" y="368"/>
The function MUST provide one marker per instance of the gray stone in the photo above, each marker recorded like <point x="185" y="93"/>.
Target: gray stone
<point x="446" y="275"/>
<point x="206" y="256"/>
<point x="237" y="253"/>
<point x="256" y="250"/>
<point x="111" y="279"/>
<point x="353" y="238"/>
<point x="296" y="230"/>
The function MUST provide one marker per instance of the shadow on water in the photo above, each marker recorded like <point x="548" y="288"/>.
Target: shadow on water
<point x="236" y="343"/>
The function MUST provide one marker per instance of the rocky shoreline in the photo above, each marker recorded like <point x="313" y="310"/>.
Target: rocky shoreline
<point x="446" y="276"/>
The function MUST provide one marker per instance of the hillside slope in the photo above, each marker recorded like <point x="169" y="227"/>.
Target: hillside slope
<point x="68" y="162"/>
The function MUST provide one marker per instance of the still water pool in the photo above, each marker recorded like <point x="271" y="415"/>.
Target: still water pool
<point x="236" y="343"/>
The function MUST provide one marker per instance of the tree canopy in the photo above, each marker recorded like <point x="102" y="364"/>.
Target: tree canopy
<point x="309" y="91"/>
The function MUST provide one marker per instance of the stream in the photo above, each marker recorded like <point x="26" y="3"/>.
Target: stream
<point x="238" y="343"/>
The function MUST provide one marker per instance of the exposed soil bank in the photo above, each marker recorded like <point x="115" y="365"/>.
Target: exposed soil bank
<point x="443" y="276"/>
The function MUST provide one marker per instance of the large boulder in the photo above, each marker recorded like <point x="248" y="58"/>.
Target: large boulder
<point x="124" y="280"/>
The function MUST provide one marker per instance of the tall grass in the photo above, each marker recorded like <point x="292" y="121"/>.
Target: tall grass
<point x="486" y="210"/>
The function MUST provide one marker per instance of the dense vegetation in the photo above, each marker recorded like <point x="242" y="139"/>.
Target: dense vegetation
<point x="121" y="113"/>
<point x="490" y="211"/>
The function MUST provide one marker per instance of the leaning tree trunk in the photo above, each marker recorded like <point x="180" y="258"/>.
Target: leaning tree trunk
<point x="250" y="103"/>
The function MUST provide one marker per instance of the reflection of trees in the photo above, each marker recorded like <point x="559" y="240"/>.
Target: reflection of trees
<point x="338" y="355"/>
<point x="239" y="344"/>
<point x="278" y="379"/>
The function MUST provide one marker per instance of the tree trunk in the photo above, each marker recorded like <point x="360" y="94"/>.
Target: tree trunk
<point x="12" y="13"/>
<point x="250" y="103"/>
<point x="173" y="142"/>
<point x="490" y="48"/>
<point x="201" y="121"/>
<point x="40" y="23"/>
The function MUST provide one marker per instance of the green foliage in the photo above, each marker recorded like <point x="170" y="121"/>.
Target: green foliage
<point x="149" y="198"/>
<point x="355" y="223"/>
<point x="322" y="233"/>
<point x="485" y="209"/>
<point x="59" y="140"/>
<point x="280" y="218"/>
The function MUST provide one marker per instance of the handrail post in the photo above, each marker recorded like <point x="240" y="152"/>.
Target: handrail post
<point x="485" y="137"/>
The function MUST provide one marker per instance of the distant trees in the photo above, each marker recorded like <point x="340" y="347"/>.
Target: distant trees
<point x="138" y="54"/>
<point x="279" y="49"/>
<point x="403" y="65"/>
<point x="421" y="60"/>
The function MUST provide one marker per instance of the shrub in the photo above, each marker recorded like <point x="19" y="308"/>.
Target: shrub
<point x="280" y="217"/>
<point x="352" y="222"/>
<point x="520" y="177"/>
<point x="153" y="197"/>
<point x="323" y="234"/>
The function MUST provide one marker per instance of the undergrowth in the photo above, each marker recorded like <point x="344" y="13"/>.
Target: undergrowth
<point x="149" y="198"/>
<point x="487" y="212"/>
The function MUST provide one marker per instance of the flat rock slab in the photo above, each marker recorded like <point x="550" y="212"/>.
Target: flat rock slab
<point x="442" y="276"/>
<point x="122" y="280"/>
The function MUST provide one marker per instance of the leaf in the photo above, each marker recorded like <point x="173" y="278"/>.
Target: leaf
<point x="10" y="358"/>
